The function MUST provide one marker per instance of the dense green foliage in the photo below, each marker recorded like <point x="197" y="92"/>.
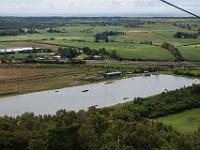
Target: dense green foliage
<point x="123" y="127"/>
<point x="187" y="73"/>
<point x="68" y="53"/>
<point x="186" y="35"/>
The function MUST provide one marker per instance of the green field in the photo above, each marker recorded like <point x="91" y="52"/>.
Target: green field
<point x="5" y="46"/>
<point x="185" y="122"/>
<point x="128" y="45"/>
<point x="127" y="51"/>
<point x="191" y="53"/>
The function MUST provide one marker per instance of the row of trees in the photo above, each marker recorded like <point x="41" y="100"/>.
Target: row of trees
<point x="13" y="32"/>
<point x="116" y="128"/>
<point x="173" y="50"/>
<point x="104" y="36"/>
<point x="187" y="26"/>
<point x="52" y="30"/>
<point x="73" y="53"/>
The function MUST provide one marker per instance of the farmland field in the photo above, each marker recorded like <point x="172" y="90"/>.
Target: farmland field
<point x="127" y="51"/>
<point x="128" y="45"/>
<point x="5" y="45"/>
<point x="191" y="52"/>
<point x="185" y="122"/>
<point x="19" y="79"/>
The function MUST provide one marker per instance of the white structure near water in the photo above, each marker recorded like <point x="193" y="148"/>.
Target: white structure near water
<point x="16" y="50"/>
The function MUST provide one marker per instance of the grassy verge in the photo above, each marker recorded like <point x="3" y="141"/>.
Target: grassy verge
<point x="20" y="79"/>
<point x="185" y="122"/>
<point x="28" y="78"/>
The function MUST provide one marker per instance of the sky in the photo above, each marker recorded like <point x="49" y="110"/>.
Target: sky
<point x="75" y="7"/>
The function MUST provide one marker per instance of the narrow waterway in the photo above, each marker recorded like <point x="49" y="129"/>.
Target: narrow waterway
<point x="82" y="97"/>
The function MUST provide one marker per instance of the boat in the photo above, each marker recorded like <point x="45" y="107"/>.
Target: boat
<point x="85" y="91"/>
<point x="125" y="98"/>
<point x="109" y="82"/>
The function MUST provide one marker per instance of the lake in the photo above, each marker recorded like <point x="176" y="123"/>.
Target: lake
<point x="82" y="97"/>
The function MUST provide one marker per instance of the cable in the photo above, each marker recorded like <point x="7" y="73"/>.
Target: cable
<point x="179" y="8"/>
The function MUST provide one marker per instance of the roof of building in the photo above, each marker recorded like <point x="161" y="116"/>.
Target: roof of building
<point x="113" y="73"/>
<point x="9" y="50"/>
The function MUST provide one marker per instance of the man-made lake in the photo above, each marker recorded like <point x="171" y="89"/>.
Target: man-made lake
<point x="101" y="94"/>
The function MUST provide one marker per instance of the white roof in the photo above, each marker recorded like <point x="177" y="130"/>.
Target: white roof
<point x="16" y="49"/>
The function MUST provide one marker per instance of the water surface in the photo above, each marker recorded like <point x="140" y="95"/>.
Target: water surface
<point x="101" y="94"/>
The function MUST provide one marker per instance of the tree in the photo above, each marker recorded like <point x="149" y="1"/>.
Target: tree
<point x="88" y="138"/>
<point x="68" y="53"/>
<point x="63" y="138"/>
<point x="113" y="54"/>
<point x="98" y="122"/>
<point x="199" y="31"/>
<point x="36" y="144"/>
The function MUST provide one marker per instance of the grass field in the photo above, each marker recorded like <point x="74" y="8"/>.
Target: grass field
<point x="125" y="50"/>
<point x="5" y="45"/>
<point x="191" y="53"/>
<point x="19" y="79"/>
<point x="185" y="122"/>
<point x="128" y="45"/>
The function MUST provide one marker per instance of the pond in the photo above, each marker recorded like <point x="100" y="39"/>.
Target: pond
<point x="101" y="94"/>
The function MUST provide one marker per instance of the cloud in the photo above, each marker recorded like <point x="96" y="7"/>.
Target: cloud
<point x="92" y="6"/>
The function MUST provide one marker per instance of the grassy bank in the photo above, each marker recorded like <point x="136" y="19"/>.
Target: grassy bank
<point x="184" y="122"/>
<point x="20" y="79"/>
<point x="28" y="78"/>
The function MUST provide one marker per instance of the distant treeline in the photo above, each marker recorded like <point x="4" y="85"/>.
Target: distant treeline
<point x="51" y="22"/>
<point x="13" y="32"/>
<point x="187" y="26"/>
<point x="30" y="22"/>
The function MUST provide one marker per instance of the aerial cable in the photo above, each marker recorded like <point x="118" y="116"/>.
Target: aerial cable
<point x="180" y="8"/>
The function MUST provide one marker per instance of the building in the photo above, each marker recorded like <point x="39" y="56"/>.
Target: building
<point x="17" y="50"/>
<point x="112" y="74"/>
<point x="147" y="73"/>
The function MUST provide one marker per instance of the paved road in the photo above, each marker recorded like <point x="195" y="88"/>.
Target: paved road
<point x="154" y="63"/>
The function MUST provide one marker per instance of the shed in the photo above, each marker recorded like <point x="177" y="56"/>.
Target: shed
<point x="112" y="74"/>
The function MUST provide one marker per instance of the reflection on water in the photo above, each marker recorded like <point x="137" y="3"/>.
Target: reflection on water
<point x="82" y="97"/>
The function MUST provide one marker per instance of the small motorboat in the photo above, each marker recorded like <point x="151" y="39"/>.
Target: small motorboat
<point x="109" y="82"/>
<point x="125" y="98"/>
<point x="85" y="91"/>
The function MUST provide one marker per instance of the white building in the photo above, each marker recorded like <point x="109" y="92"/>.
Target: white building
<point x="16" y="50"/>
